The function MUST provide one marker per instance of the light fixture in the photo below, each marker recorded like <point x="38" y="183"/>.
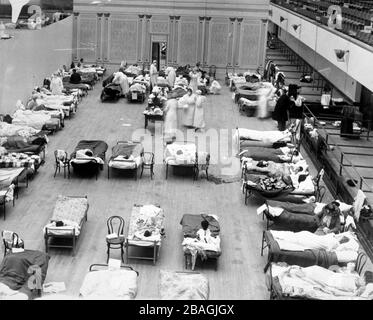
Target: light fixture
<point x="340" y="54"/>
<point x="282" y="19"/>
<point x="295" y="27"/>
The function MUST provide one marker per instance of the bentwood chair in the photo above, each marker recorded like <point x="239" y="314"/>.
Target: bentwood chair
<point x="147" y="163"/>
<point x="11" y="240"/>
<point x="115" y="238"/>
<point x="61" y="161"/>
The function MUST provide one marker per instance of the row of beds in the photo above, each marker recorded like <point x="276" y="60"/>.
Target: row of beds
<point x="248" y="93"/>
<point x="104" y="281"/>
<point x="24" y="140"/>
<point x="101" y="281"/>
<point x="24" y="143"/>
<point x="122" y="283"/>
<point x="301" y="264"/>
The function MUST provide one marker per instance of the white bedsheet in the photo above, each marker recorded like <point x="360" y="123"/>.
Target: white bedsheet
<point x="125" y="163"/>
<point x="109" y="284"/>
<point x="265" y="136"/>
<point x="8" y="294"/>
<point x="180" y="154"/>
<point x="300" y="241"/>
<point x="183" y="286"/>
<point x="146" y="218"/>
<point x="316" y="282"/>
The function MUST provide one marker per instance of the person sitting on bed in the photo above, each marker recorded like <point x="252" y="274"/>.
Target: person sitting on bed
<point x="204" y="234"/>
<point x="75" y="78"/>
<point x="329" y="219"/>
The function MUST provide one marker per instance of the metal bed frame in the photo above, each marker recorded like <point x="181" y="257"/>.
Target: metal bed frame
<point x="99" y="265"/>
<point x="275" y="295"/>
<point x="111" y="158"/>
<point x="71" y="236"/>
<point x="196" y="165"/>
<point x="152" y="244"/>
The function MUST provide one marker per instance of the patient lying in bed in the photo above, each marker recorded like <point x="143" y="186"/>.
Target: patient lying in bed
<point x="84" y="155"/>
<point x="316" y="282"/>
<point x="345" y="244"/>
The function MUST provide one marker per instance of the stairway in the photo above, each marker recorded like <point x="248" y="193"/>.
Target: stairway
<point x="293" y="72"/>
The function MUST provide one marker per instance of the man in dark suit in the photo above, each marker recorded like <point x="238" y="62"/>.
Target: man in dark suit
<point x="75" y="78"/>
<point x="281" y="112"/>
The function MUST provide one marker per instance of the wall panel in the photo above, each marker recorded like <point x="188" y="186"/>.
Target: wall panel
<point x="218" y="47"/>
<point x="188" y="42"/>
<point x="87" y="45"/>
<point x="123" y="40"/>
<point x="249" y="55"/>
<point x="219" y="33"/>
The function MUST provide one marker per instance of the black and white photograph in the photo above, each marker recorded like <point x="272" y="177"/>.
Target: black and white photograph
<point x="208" y="151"/>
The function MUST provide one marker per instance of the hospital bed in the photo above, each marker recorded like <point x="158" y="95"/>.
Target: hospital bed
<point x="280" y="155"/>
<point x="183" y="285"/>
<point x="86" y="164"/>
<point x="137" y="92"/>
<point x="40" y="120"/>
<point x="111" y="92"/>
<point x="22" y="275"/>
<point x="282" y="188"/>
<point x="322" y="255"/>
<point x="126" y="155"/>
<point x="289" y="282"/>
<point x="33" y="145"/>
<point x="67" y="103"/>
<point x="185" y="154"/>
<point x="246" y="138"/>
<point x="145" y="231"/>
<point x="297" y="217"/>
<point x="69" y="215"/>
<point x="9" y="176"/>
<point x="191" y="223"/>
<point x="102" y="283"/>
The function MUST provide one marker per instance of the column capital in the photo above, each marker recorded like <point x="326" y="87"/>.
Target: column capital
<point x="177" y="18"/>
<point x="100" y="14"/>
<point x="107" y="15"/>
<point x="141" y="16"/>
<point x="208" y="18"/>
<point x="148" y="16"/>
<point x="172" y="17"/>
<point x="232" y="19"/>
<point x="239" y="19"/>
<point x="76" y="14"/>
<point x="264" y="20"/>
<point x="201" y="18"/>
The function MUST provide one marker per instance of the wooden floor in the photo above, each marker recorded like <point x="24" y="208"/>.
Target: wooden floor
<point x="240" y="272"/>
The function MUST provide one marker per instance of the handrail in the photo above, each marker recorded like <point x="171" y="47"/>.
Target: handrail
<point x="342" y="161"/>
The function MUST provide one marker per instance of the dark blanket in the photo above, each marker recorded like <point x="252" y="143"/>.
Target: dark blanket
<point x="192" y="223"/>
<point x="258" y="190"/>
<point x="71" y="86"/>
<point x="112" y="90"/>
<point x="18" y="144"/>
<point x="289" y="221"/>
<point x="128" y="149"/>
<point x="98" y="147"/>
<point x="108" y="80"/>
<point x="262" y="153"/>
<point x="302" y="208"/>
<point x="16" y="268"/>
<point x="304" y="258"/>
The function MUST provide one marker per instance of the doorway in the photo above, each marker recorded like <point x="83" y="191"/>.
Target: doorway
<point x="159" y="53"/>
